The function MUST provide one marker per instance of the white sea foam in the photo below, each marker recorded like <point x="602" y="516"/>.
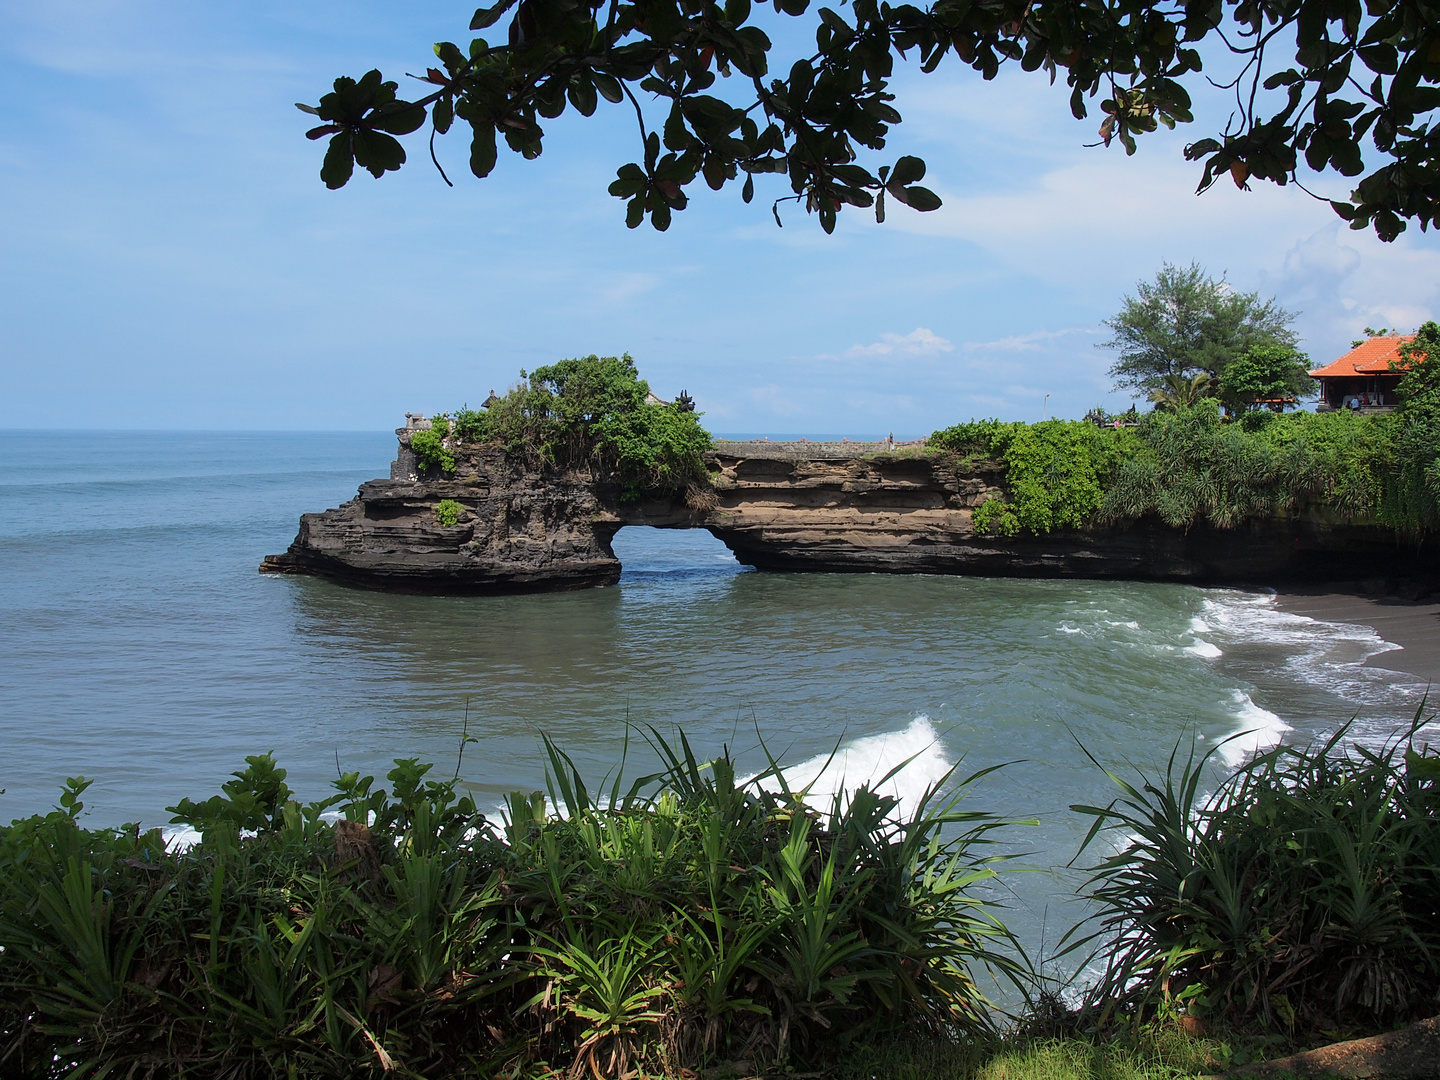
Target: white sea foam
<point x="180" y="837"/>
<point x="866" y="761"/>
<point x="1330" y="655"/>
<point x="1259" y="729"/>
<point x="1201" y="647"/>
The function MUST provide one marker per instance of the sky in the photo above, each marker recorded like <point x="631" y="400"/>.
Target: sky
<point x="170" y="260"/>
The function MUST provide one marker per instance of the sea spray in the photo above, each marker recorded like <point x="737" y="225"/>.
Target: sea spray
<point x="915" y="755"/>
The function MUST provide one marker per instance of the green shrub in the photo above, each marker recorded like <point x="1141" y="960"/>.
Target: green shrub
<point x="468" y="425"/>
<point x="448" y="512"/>
<point x="1194" y="467"/>
<point x="592" y="413"/>
<point x="687" y="918"/>
<point x="1055" y="471"/>
<point x="1412" y="489"/>
<point x="429" y="446"/>
<point x="1190" y="465"/>
<point x="1304" y="894"/>
<point x="995" y="516"/>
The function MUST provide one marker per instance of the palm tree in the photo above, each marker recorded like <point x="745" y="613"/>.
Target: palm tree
<point x="1177" y="392"/>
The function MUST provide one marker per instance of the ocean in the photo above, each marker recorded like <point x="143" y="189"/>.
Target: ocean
<point x="140" y="648"/>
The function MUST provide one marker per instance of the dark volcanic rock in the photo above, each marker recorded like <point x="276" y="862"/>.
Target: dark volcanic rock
<point x="786" y="507"/>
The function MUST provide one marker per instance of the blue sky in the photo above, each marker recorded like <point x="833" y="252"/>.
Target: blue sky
<point x="169" y="258"/>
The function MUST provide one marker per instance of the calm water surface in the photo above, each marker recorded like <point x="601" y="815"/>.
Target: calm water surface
<point x="139" y="646"/>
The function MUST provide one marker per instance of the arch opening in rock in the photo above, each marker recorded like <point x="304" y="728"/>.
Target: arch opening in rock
<point x="647" y="552"/>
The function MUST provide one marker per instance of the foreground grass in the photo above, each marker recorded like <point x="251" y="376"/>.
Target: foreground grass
<point x="1156" y="1055"/>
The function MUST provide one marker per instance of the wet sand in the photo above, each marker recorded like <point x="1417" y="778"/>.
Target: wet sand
<point x="1413" y="625"/>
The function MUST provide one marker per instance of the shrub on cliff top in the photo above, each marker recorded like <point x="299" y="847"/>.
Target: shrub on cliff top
<point x="1056" y="471"/>
<point x="429" y="446"/>
<point x="591" y="412"/>
<point x="1191" y="465"/>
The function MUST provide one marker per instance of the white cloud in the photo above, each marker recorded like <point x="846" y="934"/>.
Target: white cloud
<point x="1031" y="342"/>
<point x="919" y="342"/>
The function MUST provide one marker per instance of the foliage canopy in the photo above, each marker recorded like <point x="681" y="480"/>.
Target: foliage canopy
<point x="1318" y="80"/>
<point x="1189" y="465"/>
<point x="1186" y="323"/>
<point x="592" y="412"/>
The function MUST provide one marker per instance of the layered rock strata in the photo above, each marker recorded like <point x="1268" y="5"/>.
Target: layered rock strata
<point x="793" y="506"/>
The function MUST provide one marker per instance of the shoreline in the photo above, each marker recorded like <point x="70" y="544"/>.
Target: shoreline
<point x="1412" y="624"/>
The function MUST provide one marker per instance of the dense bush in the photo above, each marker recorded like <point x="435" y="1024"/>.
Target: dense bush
<point x="592" y="413"/>
<point x="1413" y="502"/>
<point x="1191" y="466"/>
<point x="428" y="445"/>
<point x="1056" y="471"/>
<point x="1185" y="466"/>
<point x="688" y="917"/>
<point x="1303" y="894"/>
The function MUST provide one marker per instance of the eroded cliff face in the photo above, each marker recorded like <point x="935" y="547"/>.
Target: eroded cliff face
<point x="794" y="506"/>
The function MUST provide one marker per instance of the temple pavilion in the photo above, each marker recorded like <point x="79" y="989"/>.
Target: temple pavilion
<point x="1363" y="380"/>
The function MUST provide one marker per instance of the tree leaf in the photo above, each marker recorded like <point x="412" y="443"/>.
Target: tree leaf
<point x="484" y="17"/>
<point x="483" y="151"/>
<point x="907" y="170"/>
<point x="922" y="199"/>
<point x="609" y="87"/>
<point x="339" y="162"/>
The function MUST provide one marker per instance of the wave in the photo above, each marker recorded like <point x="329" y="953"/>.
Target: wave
<point x="1328" y="655"/>
<point x="1259" y="729"/>
<point x="916" y="751"/>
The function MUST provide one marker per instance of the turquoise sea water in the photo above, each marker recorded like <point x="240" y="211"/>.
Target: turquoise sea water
<point x="139" y="646"/>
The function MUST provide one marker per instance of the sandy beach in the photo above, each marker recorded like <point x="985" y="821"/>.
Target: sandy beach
<point x="1413" y="625"/>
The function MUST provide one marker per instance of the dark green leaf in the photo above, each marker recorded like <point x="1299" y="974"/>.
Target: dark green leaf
<point x="443" y="114"/>
<point x="609" y="87"/>
<point x="483" y="151"/>
<point x="339" y="162"/>
<point x="489" y="16"/>
<point x="920" y="198"/>
<point x="378" y="152"/>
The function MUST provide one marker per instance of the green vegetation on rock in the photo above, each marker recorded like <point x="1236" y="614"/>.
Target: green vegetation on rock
<point x="448" y="512"/>
<point x="1187" y="465"/>
<point x="592" y="413"/>
<point x="1056" y="471"/>
<point x="428" y="445"/>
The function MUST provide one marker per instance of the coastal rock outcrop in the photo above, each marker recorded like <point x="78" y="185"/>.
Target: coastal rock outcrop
<point x="785" y="506"/>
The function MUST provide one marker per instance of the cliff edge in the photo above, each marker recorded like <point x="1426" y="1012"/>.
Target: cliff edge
<point x="786" y="506"/>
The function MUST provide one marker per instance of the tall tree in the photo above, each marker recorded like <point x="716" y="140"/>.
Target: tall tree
<point x="1318" y="79"/>
<point x="1186" y="322"/>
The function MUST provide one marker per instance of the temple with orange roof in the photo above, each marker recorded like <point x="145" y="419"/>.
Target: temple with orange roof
<point x="1364" y="379"/>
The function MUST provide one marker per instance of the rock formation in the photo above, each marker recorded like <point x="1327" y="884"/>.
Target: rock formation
<point x="784" y="506"/>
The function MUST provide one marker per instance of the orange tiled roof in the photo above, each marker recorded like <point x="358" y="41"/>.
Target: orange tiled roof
<point x="1370" y="357"/>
